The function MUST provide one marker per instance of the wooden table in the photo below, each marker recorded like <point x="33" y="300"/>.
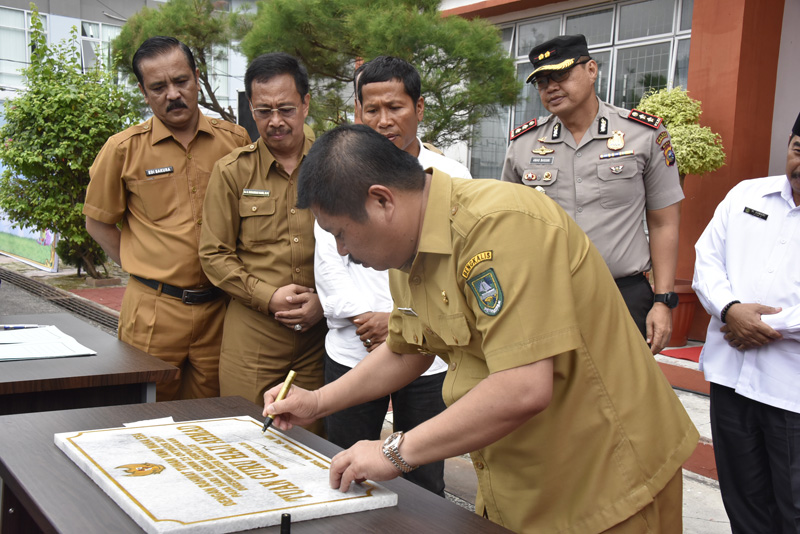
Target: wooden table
<point x="117" y="374"/>
<point x="47" y="491"/>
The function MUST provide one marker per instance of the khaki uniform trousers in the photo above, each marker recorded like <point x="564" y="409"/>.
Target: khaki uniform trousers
<point x="186" y="336"/>
<point x="258" y="352"/>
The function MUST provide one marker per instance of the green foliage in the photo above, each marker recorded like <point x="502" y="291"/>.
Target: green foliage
<point x="200" y="24"/>
<point x="698" y="150"/>
<point x="465" y="72"/>
<point x="52" y="134"/>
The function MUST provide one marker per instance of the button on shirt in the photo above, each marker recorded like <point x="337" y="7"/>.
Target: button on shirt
<point x="741" y="256"/>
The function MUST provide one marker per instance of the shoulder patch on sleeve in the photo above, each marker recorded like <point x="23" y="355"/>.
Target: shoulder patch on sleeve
<point x="519" y="130"/>
<point x="645" y="118"/>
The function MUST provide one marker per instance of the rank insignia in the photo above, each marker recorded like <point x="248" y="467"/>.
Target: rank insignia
<point x="616" y="169"/>
<point x="645" y="118"/>
<point x="617" y="142"/>
<point x="661" y="137"/>
<point x="487" y="290"/>
<point x="547" y="176"/>
<point x="602" y="126"/>
<point x="556" y="131"/>
<point x="542" y="150"/>
<point x="519" y="130"/>
<point x="529" y="177"/>
<point x="669" y="156"/>
<point x="486" y="255"/>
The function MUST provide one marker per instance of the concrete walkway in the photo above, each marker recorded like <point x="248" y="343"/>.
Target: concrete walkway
<point x="703" y="510"/>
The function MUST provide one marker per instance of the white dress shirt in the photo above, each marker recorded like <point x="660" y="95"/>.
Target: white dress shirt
<point x="750" y="252"/>
<point x="347" y="289"/>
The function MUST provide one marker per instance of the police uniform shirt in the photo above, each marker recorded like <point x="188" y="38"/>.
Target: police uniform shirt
<point x="145" y="178"/>
<point x="503" y="278"/>
<point x="624" y="165"/>
<point x="255" y="239"/>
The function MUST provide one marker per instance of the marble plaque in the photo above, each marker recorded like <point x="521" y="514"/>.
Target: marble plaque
<point x="213" y="476"/>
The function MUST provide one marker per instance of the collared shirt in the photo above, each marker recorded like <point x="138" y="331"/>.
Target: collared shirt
<point x="749" y="252"/>
<point x="255" y="239"/>
<point x="604" y="182"/>
<point x="485" y="303"/>
<point x="347" y="289"/>
<point x="145" y="178"/>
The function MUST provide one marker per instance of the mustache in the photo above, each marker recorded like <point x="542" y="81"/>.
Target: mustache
<point x="178" y="104"/>
<point x="278" y="131"/>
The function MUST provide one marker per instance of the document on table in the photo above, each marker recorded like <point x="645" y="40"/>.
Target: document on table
<point x="40" y="342"/>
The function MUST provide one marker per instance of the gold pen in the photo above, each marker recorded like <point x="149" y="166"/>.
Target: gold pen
<point x="281" y="395"/>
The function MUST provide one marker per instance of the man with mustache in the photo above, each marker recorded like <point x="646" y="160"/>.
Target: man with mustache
<point x="258" y="247"/>
<point x="152" y="178"/>
<point x="609" y="168"/>
<point x="746" y="278"/>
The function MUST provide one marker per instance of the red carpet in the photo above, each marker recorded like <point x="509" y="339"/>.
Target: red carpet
<point x="110" y="297"/>
<point x="687" y="353"/>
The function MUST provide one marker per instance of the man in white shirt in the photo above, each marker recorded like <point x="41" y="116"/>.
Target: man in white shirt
<point x="356" y="300"/>
<point x="746" y="278"/>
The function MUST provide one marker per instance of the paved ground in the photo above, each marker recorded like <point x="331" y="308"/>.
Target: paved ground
<point x="703" y="510"/>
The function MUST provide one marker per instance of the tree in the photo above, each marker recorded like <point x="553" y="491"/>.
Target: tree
<point x="465" y="72"/>
<point x="53" y="132"/>
<point x="200" y="24"/>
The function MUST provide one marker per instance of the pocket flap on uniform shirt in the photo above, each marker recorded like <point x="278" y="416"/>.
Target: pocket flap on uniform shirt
<point x="412" y="330"/>
<point x="622" y="169"/>
<point x="455" y="330"/>
<point x="539" y="176"/>
<point x="254" y="206"/>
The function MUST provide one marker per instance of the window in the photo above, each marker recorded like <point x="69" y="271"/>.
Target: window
<point x="96" y="43"/>
<point x="638" y="45"/>
<point x="15" y="44"/>
<point x="218" y="75"/>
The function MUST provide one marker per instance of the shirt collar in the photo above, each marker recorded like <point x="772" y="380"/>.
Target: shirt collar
<point x="161" y="132"/>
<point x="268" y="158"/>
<point x="785" y="190"/>
<point x="436" y="238"/>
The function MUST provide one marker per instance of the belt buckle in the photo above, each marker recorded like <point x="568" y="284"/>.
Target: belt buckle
<point x="193" y="296"/>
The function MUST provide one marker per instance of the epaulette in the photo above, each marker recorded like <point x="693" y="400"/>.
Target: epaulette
<point x="645" y="118"/>
<point x="519" y="130"/>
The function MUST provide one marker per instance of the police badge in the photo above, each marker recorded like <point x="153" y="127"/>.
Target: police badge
<point x="617" y="142"/>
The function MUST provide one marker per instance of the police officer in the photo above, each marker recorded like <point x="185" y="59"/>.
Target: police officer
<point x="153" y="178"/>
<point x="609" y="168"/>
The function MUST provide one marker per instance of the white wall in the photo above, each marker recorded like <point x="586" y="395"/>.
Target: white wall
<point x="787" y="97"/>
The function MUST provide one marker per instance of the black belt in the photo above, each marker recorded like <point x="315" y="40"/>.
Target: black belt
<point x="187" y="296"/>
<point x="626" y="281"/>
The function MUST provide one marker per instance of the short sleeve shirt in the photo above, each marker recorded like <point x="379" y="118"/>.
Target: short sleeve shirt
<point x="255" y="239"/>
<point x="145" y="178"/>
<point x="624" y="165"/>
<point x="504" y="278"/>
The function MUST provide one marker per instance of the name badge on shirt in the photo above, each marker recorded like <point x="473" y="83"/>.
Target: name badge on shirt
<point x="538" y="160"/>
<point x="160" y="170"/>
<point x="756" y="213"/>
<point x="255" y="193"/>
<point x="407" y="311"/>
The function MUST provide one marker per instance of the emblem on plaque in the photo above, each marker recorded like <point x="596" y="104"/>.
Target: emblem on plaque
<point x="542" y="150"/>
<point x="141" y="470"/>
<point x="617" y="142"/>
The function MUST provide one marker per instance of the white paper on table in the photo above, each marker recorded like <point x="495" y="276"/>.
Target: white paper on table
<point x="42" y="342"/>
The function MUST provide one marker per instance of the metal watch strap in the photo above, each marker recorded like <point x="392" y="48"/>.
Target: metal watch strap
<point x="391" y="449"/>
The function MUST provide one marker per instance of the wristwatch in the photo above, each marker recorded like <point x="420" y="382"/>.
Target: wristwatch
<point x="391" y="449"/>
<point x="670" y="299"/>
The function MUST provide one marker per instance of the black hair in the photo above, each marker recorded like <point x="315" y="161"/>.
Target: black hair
<point x="388" y="68"/>
<point x="266" y="66"/>
<point x="356" y="74"/>
<point x="344" y="163"/>
<point x="156" y="46"/>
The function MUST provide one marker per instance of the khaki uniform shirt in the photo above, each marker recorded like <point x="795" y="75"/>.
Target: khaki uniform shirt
<point x="503" y="278"/>
<point x="145" y="178"/>
<point x="620" y="168"/>
<point x="254" y="239"/>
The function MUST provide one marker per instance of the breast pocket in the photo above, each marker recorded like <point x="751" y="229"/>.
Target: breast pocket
<point x="258" y="225"/>
<point x="618" y="183"/>
<point x="156" y="198"/>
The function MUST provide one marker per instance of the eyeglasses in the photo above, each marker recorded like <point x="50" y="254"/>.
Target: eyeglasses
<point x="558" y="76"/>
<point x="287" y="112"/>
